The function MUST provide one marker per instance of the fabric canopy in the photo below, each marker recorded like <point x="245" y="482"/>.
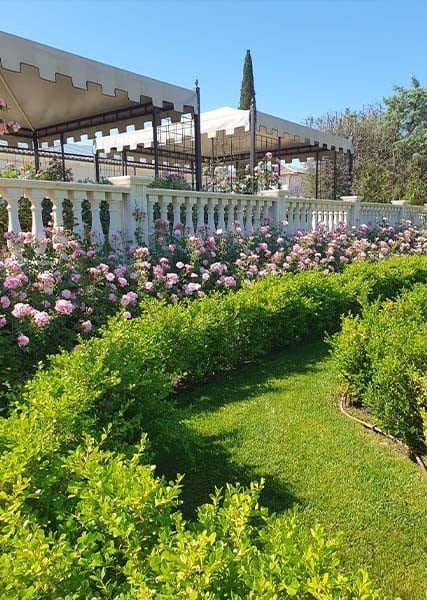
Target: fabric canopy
<point x="46" y="87"/>
<point x="230" y="124"/>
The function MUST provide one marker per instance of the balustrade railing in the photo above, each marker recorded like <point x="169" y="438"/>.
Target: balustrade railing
<point x="134" y="209"/>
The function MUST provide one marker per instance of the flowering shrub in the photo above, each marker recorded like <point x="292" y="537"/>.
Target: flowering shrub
<point x="170" y="181"/>
<point x="226" y="178"/>
<point x="383" y="358"/>
<point x="53" y="291"/>
<point x="81" y="520"/>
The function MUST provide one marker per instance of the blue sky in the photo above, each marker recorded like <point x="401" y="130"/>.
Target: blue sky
<point x="309" y="56"/>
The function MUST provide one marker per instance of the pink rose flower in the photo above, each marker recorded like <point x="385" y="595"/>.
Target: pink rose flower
<point x="41" y="318"/>
<point x="23" y="340"/>
<point x="5" y="302"/>
<point x="87" y="326"/>
<point x="64" y="306"/>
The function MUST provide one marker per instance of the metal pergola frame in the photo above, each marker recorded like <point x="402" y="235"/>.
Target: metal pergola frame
<point x="50" y="76"/>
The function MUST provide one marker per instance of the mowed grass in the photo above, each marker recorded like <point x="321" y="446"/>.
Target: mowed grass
<point x="279" y="420"/>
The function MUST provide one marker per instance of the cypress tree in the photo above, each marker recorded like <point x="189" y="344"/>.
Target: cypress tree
<point x="247" y="91"/>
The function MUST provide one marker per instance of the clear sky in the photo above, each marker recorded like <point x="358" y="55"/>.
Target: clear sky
<point x="309" y="56"/>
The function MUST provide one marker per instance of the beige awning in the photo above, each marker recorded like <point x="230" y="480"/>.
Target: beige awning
<point x="45" y="87"/>
<point x="227" y="126"/>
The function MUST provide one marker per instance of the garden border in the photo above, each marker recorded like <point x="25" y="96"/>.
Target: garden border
<point x="375" y="429"/>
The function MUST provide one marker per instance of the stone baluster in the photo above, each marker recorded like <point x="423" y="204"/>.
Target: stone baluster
<point x="57" y="199"/>
<point x="150" y="214"/>
<point x="76" y="198"/>
<point x="95" y="199"/>
<point x="164" y="201"/>
<point x="115" y="201"/>
<point x="211" y="215"/>
<point x="297" y="218"/>
<point x="221" y="215"/>
<point x="240" y="214"/>
<point x="12" y="197"/>
<point x="189" y="225"/>
<point x="290" y="217"/>
<point x="200" y="208"/>
<point x="335" y="219"/>
<point x="176" y="208"/>
<point x="230" y="216"/>
<point x="249" y="220"/>
<point x="36" y="197"/>
<point x="257" y="216"/>
<point x="330" y="220"/>
<point x="313" y="214"/>
<point x="265" y="211"/>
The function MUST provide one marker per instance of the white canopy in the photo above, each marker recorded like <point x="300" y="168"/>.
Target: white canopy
<point x="46" y="87"/>
<point x="228" y="124"/>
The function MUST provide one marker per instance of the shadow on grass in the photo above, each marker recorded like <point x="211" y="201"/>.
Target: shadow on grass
<point x="205" y="459"/>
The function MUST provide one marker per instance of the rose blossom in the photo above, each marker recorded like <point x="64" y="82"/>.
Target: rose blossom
<point x="41" y="318"/>
<point x="87" y="326"/>
<point x="23" y="340"/>
<point x="64" y="306"/>
<point x="5" y="302"/>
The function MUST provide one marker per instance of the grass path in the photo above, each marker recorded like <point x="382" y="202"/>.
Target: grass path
<point x="279" y="420"/>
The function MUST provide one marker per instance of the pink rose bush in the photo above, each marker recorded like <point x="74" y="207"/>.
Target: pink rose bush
<point x="53" y="291"/>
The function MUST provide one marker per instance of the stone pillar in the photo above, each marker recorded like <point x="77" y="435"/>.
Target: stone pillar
<point x="115" y="200"/>
<point x="12" y="197"/>
<point x="95" y="199"/>
<point x="36" y="197"/>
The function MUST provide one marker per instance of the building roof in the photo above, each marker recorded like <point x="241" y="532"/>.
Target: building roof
<point x="231" y="123"/>
<point x="49" y="90"/>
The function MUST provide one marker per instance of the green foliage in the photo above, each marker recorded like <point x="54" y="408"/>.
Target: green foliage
<point x="390" y="145"/>
<point x="247" y="90"/>
<point x="119" y="535"/>
<point x="170" y="182"/>
<point x="383" y="357"/>
<point x="80" y="520"/>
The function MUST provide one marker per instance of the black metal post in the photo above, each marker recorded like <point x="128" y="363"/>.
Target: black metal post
<point x="317" y="176"/>
<point x="335" y="174"/>
<point x="36" y="152"/>
<point x="213" y="163"/>
<point x="279" y="152"/>
<point x="155" y="143"/>
<point x="62" y="156"/>
<point x="96" y="165"/>
<point x="124" y="163"/>
<point x="252" y="134"/>
<point x="198" y="141"/>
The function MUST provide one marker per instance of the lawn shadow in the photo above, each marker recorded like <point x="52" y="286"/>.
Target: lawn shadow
<point x="205" y="459"/>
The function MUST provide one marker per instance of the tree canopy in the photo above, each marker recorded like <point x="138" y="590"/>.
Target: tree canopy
<point x="247" y="90"/>
<point x="390" y="142"/>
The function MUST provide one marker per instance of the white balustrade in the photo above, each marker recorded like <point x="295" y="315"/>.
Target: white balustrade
<point x="134" y="206"/>
<point x="12" y="190"/>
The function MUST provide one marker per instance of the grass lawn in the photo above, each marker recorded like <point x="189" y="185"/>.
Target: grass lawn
<point x="279" y="420"/>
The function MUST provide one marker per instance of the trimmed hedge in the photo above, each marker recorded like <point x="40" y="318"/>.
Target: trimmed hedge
<point x="79" y="520"/>
<point x="382" y="355"/>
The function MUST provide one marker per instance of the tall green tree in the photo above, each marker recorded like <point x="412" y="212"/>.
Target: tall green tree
<point x="247" y="90"/>
<point x="390" y="143"/>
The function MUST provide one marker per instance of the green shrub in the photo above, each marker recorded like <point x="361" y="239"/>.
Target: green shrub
<point x="119" y="534"/>
<point x="383" y="357"/>
<point x="82" y="521"/>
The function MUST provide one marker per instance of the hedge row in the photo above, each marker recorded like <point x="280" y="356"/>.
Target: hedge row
<point x="80" y="520"/>
<point x="383" y="357"/>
